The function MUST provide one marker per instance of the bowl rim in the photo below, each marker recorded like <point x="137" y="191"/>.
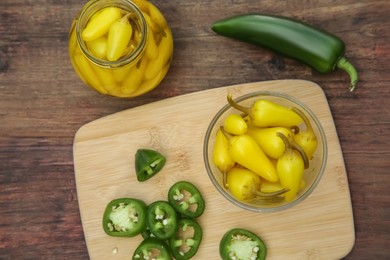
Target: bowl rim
<point x="304" y="195"/>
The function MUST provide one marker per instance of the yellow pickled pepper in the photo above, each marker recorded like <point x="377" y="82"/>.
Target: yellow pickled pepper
<point x="221" y="156"/>
<point x="165" y="49"/>
<point x="290" y="168"/>
<point x="151" y="47"/>
<point x="156" y="16"/>
<point x="105" y="76"/>
<point x="268" y="140"/>
<point x="244" y="150"/>
<point x="152" y="25"/>
<point x="265" y="113"/>
<point x="100" y="24"/>
<point x="142" y="4"/>
<point x="98" y="47"/>
<point x="119" y="36"/>
<point x="149" y="84"/>
<point x="234" y="124"/>
<point x="87" y="72"/>
<point x="306" y="139"/>
<point x="133" y="81"/>
<point x="243" y="183"/>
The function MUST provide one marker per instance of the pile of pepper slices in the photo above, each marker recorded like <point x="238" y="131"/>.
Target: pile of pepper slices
<point x="172" y="221"/>
<point x="169" y="228"/>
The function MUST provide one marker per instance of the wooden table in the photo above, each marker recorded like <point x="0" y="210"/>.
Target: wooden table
<point x="43" y="103"/>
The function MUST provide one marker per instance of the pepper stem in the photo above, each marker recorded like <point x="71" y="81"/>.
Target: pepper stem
<point x="345" y="65"/>
<point x="302" y="153"/>
<point x="237" y="106"/>
<point x="295" y="129"/>
<point x="224" y="180"/>
<point x="292" y="144"/>
<point x="304" y="117"/>
<point x="226" y="134"/>
<point x="271" y="194"/>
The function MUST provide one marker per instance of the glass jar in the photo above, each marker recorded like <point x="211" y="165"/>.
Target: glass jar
<point x="120" y="48"/>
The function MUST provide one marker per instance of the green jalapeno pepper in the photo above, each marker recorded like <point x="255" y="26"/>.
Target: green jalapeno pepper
<point x="147" y="163"/>
<point x="161" y="219"/>
<point x="152" y="248"/>
<point x="125" y="217"/>
<point x="316" y="48"/>
<point x="186" y="199"/>
<point x="239" y="243"/>
<point x="186" y="241"/>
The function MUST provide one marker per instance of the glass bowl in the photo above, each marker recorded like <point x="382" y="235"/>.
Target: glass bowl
<point x="312" y="175"/>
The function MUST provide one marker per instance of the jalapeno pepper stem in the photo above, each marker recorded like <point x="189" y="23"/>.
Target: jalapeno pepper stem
<point x="292" y="144"/>
<point x="243" y="109"/>
<point x="345" y="65"/>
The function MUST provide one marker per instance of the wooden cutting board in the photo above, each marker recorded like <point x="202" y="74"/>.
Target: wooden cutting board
<point x="321" y="227"/>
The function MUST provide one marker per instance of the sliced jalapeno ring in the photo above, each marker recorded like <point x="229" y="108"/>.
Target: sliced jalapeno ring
<point x="186" y="241"/>
<point x="239" y="243"/>
<point x="186" y="199"/>
<point x="161" y="219"/>
<point x="152" y="248"/>
<point x="124" y="217"/>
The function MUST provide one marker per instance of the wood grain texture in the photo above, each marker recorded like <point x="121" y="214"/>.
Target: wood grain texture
<point x="43" y="104"/>
<point x="321" y="226"/>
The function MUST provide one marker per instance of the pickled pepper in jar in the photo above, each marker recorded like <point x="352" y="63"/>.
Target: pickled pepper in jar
<point x="121" y="48"/>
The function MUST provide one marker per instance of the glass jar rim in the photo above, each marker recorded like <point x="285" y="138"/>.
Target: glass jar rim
<point x="89" y="10"/>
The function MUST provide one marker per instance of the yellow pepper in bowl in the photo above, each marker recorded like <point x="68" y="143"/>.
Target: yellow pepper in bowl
<point x="265" y="113"/>
<point x="244" y="150"/>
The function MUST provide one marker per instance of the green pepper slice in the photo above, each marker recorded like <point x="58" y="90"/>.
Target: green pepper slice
<point x="152" y="248"/>
<point x="146" y="234"/>
<point x="186" y="241"/>
<point x="239" y="243"/>
<point x="124" y="217"/>
<point x="147" y="163"/>
<point x="186" y="199"/>
<point x="161" y="219"/>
